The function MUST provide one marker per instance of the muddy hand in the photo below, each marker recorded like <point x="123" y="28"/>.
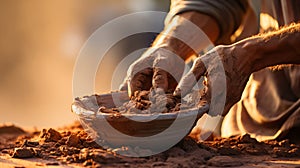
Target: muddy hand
<point x="158" y="68"/>
<point x="227" y="73"/>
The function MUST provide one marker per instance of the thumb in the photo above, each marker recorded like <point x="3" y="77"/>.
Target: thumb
<point x="190" y="79"/>
<point x="124" y="85"/>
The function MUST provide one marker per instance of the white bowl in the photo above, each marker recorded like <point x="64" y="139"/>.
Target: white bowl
<point x="116" y="130"/>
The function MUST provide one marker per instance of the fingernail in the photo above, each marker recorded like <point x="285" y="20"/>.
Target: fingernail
<point x="177" y="92"/>
<point x="123" y="87"/>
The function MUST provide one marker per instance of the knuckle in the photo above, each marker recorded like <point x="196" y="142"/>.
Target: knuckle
<point x="198" y="59"/>
<point x="131" y="68"/>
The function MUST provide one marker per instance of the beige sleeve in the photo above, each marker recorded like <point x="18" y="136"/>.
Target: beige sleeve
<point x="228" y="13"/>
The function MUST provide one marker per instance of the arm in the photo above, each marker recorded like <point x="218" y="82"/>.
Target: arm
<point x="177" y="27"/>
<point x="159" y="67"/>
<point x="239" y="60"/>
<point x="274" y="48"/>
<point x="217" y="19"/>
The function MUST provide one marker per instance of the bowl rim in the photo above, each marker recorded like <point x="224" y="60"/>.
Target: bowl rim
<point x="79" y="109"/>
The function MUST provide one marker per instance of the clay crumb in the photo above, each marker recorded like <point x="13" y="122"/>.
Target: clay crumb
<point x="23" y="153"/>
<point x="50" y="135"/>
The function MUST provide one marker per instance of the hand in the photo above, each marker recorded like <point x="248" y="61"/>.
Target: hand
<point x="227" y="70"/>
<point x="163" y="64"/>
<point x="158" y="67"/>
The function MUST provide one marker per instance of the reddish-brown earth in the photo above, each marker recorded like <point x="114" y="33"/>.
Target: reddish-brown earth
<point x="71" y="146"/>
<point x="148" y="102"/>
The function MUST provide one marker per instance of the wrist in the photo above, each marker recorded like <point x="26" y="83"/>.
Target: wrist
<point x="273" y="48"/>
<point x="184" y="37"/>
<point x="251" y="52"/>
<point x="174" y="45"/>
<point x="244" y="55"/>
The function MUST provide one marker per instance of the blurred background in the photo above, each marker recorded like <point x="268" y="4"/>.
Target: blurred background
<point x="39" y="42"/>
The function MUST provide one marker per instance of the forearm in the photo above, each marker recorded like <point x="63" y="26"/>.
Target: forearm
<point x="274" y="48"/>
<point x="180" y="45"/>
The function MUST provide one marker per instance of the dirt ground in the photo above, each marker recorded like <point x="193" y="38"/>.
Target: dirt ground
<point x="72" y="147"/>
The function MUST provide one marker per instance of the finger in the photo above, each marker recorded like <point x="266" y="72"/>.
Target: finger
<point x="206" y="92"/>
<point x="168" y="67"/>
<point x="185" y="85"/>
<point x="124" y="85"/>
<point x="140" y="81"/>
<point x="172" y="84"/>
<point x="215" y="85"/>
<point x="160" y="79"/>
<point x="190" y="79"/>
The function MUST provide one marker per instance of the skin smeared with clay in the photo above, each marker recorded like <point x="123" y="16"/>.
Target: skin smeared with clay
<point x="238" y="60"/>
<point x="162" y="65"/>
<point x="155" y="68"/>
<point x="241" y="59"/>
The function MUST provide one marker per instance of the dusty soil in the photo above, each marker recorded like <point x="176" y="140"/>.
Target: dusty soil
<point x="71" y="146"/>
<point x="148" y="102"/>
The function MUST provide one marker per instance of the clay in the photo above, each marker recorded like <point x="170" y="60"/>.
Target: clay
<point x="23" y="153"/>
<point x="11" y="129"/>
<point x="50" y="135"/>
<point x="28" y="143"/>
<point x="73" y="140"/>
<point x="224" y="161"/>
<point x="149" y="102"/>
<point x="52" y="163"/>
<point x="74" y="146"/>
<point x="247" y="139"/>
